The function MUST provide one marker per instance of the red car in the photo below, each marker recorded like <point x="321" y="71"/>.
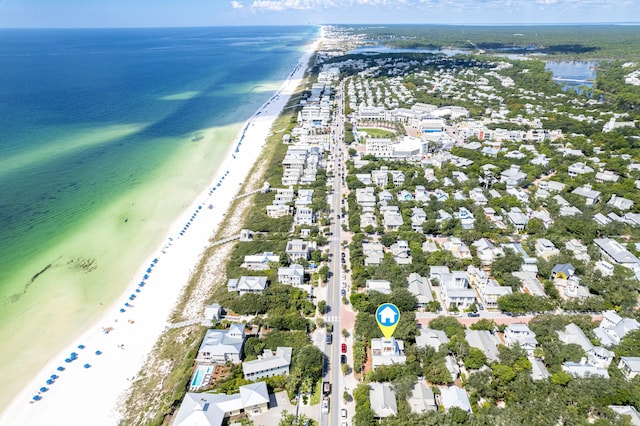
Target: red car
<point x="344" y="348"/>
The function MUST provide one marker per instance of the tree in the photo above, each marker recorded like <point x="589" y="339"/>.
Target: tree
<point x="561" y="378"/>
<point x="503" y="373"/>
<point x="322" y="306"/>
<point x="484" y="324"/>
<point x="630" y="345"/>
<point x="475" y="359"/>
<point x="449" y="325"/>
<point x="308" y="363"/>
<point x="324" y="273"/>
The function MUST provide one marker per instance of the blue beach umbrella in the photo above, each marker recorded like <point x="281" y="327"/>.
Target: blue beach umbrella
<point x="155" y="260"/>
<point x="145" y="276"/>
<point x="149" y="270"/>
<point x="54" y="376"/>
<point x="43" y="389"/>
<point x="98" y="352"/>
<point x="74" y="355"/>
<point x="141" y="284"/>
<point x="61" y="368"/>
<point x="122" y="310"/>
<point x="67" y="360"/>
<point x="137" y="290"/>
<point x="126" y="304"/>
<point x="81" y="346"/>
<point x="37" y="397"/>
<point x="49" y="382"/>
<point x="87" y="365"/>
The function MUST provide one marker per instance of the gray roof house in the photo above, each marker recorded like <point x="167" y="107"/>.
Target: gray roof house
<point x="627" y="410"/>
<point x="373" y="253"/>
<point x="248" y="284"/>
<point x="454" y="396"/>
<point x="538" y="370"/>
<point x="517" y="218"/>
<point x="222" y="345"/>
<point x="382" y="398"/>
<point x="620" y="203"/>
<point x="419" y="287"/>
<point x="431" y="338"/>
<point x="591" y="196"/>
<point x="583" y="369"/>
<point x="485" y="341"/>
<point x="392" y="220"/>
<point x="629" y="366"/>
<point x="212" y="408"/>
<point x="269" y="364"/>
<point x="421" y="399"/>
<point x="616" y="252"/>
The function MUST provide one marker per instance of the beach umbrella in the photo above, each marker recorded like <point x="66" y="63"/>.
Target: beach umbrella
<point x="87" y="365"/>
<point x="74" y="355"/>
<point x="98" y="352"/>
<point x="61" y="368"/>
<point x="67" y="360"/>
<point x="155" y="260"/>
<point x="37" y="397"/>
<point x="126" y="304"/>
<point x="149" y="270"/>
<point x="122" y="310"/>
<point x="145" y="276"/>
<point x="49" y="382"/>
<point x="54" y="376"/>
<point x="43" y="389"/>
<point x="141" y="284"/>
<point x="137" y="290"/>
<point x="81" y="346"/>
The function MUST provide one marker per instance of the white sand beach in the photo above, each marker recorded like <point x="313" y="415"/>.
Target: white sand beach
<point x="89" y="388"/>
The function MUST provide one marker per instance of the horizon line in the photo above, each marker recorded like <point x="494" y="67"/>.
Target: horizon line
<point x="461" y="24"/>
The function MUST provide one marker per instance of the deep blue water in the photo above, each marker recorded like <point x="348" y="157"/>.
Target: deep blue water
<point x="58" y="86"/>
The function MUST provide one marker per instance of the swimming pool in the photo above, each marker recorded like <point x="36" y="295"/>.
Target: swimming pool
<point x="201" y="372"/>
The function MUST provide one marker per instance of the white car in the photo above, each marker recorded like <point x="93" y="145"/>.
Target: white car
<point x="343" y="413"/>
<point x="325" y="406"/>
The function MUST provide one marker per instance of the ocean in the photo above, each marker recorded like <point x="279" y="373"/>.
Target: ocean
<point x="106" y="136"/>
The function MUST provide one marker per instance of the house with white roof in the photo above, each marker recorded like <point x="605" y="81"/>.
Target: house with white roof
<point x="454" y="396"/>
<point x="381" y="286"/>
<point x="392" y="219"/>
<point x="613" y="328"/>
<point x="538" y="369"/>
<point x="418" y="217"/>
<point x="517" y="218"/>
<point x="277" y="211"/>
<point x="597" y="356"/>
<point x="520" y="334"/>
<point x="291" y="275"/>
<point x="606" y="176"/>
<point x="584" y="369"/>
<point x="629" y="366"/>
<point x="373" y="253"/>
<point x="545" y="248"/>
<point x="260" y="262"/>
<point x="222" y="345"/>
<point x="620" y="203"/>
<point x="579" y="168"/>
<point x="387" y="352"/>
<point x="627" y="410"/>
<point x="422" y="398"/>
<point x="304" y="216"/>
<point x="298" y="249"/>
<point x="486" y="251"/>
<point x="579" y="250"/>
<point x="268" y="364"/>
<point x="512" y="176"/>
<point x="530" y="283"/>
<point x="382" y="399"/>
<point x="212" y="408"/>
<point x="401" y="252"/>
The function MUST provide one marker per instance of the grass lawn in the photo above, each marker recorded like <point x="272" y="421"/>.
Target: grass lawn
<point x="317" y="393"/>
<point x="377" y="133"/>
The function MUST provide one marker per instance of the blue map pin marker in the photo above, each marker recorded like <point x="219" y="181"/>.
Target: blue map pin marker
<point x="387" y="317"/>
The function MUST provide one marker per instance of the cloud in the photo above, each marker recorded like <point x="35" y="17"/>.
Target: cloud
<point x="236" y="4"/>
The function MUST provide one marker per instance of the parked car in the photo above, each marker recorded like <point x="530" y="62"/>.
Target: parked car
<point x="343" y="413"/>
<point x="343" y="347"/>
<point x="329" y="338"/>
<point x="343" y="359"/>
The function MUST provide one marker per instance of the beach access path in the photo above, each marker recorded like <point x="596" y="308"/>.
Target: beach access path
<point x="86" y="389"/>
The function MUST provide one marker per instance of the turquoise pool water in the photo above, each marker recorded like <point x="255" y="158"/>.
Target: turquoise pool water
<point x="199" y="377"/>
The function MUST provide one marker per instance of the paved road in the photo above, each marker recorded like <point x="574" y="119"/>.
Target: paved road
<point x="332" y="372"/>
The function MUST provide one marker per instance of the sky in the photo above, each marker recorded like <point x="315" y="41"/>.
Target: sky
<point x="172" y="13"/>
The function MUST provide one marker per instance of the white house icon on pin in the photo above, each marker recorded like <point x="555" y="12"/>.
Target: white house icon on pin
<point x="387" y="316"/>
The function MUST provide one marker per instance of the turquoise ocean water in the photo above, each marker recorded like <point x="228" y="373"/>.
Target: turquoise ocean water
<point x="105" y="136"/>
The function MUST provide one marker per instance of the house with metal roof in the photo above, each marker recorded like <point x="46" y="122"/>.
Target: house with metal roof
<point x="520" y="334"/>
<point x="387" y="352"/>
<point x="485" y="341"/>
<point x="613" y="328"/>
<point x="584" y="369"/>
<point x="432" y="338"/>
<point x="616" y="252"/>
<point x="382" y="398"/>
<point x="454" y="396"/>
<point x="222" y="345"/>
<point x="422" y="398"/>
<point x="419" y="287"/>
<point x="268" y="364"/>
<point x="212" y="408"/>
<point x="247" y="284"/>
<point x="629" y="366"/>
